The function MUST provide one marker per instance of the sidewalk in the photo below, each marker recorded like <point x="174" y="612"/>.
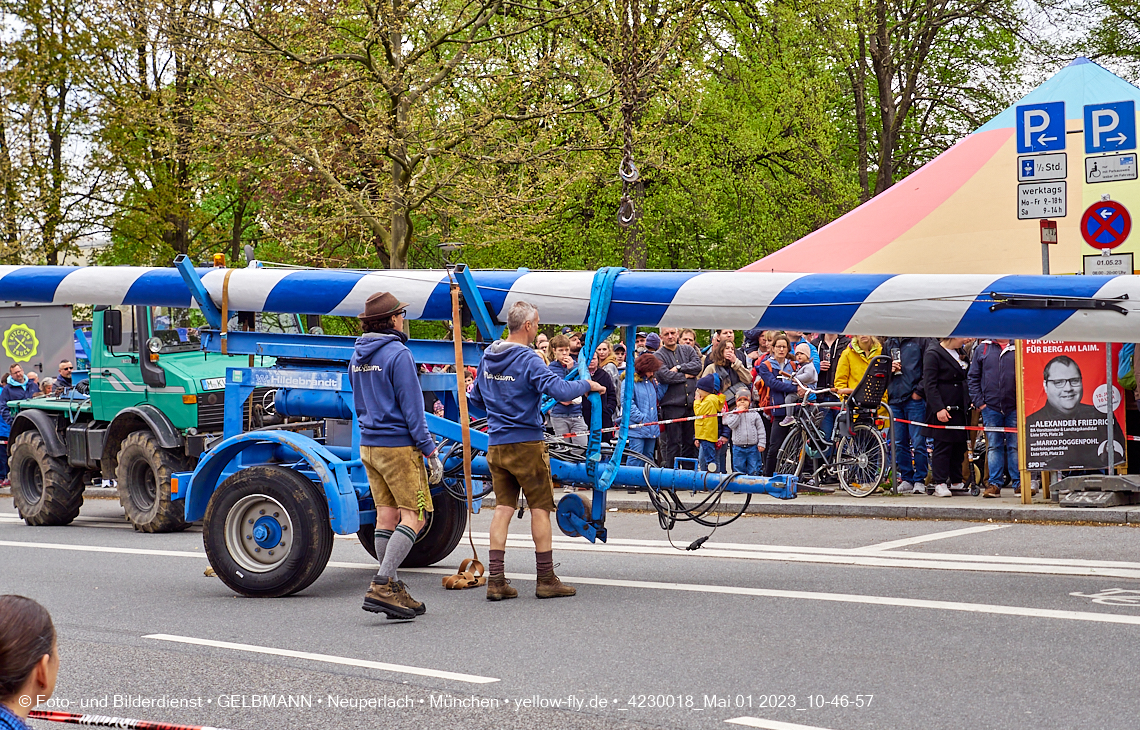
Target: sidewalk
<point x="1008" y="508"/>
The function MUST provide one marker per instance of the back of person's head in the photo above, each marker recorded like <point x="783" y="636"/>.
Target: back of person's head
<point x="646" y="365"/>
<point x="26" y="636"/>
<point x="519" y="314"/>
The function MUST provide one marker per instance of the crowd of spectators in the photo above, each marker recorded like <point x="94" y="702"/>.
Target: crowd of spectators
<point x="747" y="393"/>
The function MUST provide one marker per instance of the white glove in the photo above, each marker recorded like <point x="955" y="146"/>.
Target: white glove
<point x="435" y="470"/>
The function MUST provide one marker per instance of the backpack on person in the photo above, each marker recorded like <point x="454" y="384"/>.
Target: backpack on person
<point x="1126" y="372"/>
<point x="762" y="394"/>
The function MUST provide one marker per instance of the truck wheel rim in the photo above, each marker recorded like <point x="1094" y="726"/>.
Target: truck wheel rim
<point x="142" y="486"/>
<point x="31" y="482"/>
<point x="259" y="533"/>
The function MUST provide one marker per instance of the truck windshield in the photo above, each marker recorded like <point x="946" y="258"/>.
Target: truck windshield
<point x="177" y="328"/>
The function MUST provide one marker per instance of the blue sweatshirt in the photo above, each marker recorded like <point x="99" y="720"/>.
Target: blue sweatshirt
<point x="386" y="392"/>
<point x="511" y="381"/>
<point x="574" y="409"/>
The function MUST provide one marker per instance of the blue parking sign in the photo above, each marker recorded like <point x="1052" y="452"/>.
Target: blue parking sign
<point x="1110" y="127"/>
<point x="1041" y="127"/>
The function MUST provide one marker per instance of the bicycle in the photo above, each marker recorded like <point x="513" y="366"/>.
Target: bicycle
<point x="859" y="460"/>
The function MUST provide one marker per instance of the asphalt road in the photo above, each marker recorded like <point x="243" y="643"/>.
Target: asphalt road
<point x="821" y="622"/>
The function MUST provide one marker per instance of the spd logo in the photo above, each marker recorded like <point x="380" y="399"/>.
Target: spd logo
<point x="20" y="342"/>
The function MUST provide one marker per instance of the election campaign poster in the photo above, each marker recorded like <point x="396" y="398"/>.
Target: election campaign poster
<point x="1065" y="405"/>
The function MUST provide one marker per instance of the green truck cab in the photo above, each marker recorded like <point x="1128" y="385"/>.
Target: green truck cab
<point x="151" y="404"/>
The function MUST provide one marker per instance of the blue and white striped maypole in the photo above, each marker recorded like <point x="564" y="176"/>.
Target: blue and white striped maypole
<point x="1079" y="308"/>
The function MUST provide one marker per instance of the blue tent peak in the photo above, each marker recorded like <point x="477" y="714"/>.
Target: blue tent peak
<point x="1080" y="83"/>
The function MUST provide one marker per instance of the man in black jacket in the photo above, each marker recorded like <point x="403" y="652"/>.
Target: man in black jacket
<point x="908" y="402"/>
<point x="680" y="368"/>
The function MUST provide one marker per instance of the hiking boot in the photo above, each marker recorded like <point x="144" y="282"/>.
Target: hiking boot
<point x="384" y="598"/>
<point x="550" y="587"/>
<point x="991" y="492"/>
<point x="407" y="601"/>
<point x="499" y="588"/>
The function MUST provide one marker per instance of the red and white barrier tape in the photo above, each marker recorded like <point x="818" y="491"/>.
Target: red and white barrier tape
<point x="71" y="718"/>
<point x="676" y="420"/>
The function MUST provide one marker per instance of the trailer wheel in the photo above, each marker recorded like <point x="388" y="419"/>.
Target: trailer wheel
<point x="45" y="489"/>
<point x="267" y="532"/>
<point x="143" y="474"/>
<point x="443" y="529"/>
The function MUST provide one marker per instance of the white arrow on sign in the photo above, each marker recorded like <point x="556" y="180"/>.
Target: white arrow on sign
<point x="1106" y="213"/>
<point x="1118" y="139"/>
<point x="1043" y="139"/>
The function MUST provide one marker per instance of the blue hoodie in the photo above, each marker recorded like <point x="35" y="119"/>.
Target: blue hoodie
<point x="387" y="394"/>
<point x="511" y="381"/>
<point x="574" y="409"/>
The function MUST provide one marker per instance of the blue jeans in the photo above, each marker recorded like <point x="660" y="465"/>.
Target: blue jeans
<point x="645" y="447"/>
<point x="709" y="454"/>
<point x="1001" y="454"/>
<point x="911" y="454"/>
<point x="747" y="460"/>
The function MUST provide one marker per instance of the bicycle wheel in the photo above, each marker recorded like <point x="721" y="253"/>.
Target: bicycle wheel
<point x="790" y="457"/>
<point x="861" y="461"/>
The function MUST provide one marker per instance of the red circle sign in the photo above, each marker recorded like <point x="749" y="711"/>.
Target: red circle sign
<point x="1106" y="224"/>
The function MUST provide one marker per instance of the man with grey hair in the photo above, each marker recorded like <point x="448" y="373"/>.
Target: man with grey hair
<point x="509" y="386"/>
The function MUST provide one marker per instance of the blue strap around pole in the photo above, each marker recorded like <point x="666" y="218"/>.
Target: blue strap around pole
<point x="601" y="294"/>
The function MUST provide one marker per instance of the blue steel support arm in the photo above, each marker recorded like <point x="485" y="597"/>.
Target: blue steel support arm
<point x="475" y="303"/>
<point x="198" y="291"/>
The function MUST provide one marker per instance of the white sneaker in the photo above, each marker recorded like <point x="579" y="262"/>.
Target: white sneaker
<point x="790" y="421"/>
<point x="906" y="487"/>
<point x="959" y="486"/>
<point x="919" y="488"/>
<point x="941" y="490"/>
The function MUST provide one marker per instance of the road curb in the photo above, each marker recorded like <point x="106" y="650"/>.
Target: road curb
<point x="971" y="509"/>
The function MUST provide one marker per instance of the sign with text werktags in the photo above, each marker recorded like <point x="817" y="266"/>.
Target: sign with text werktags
<point x="1066" y="405"/>
<point x="1042" y="200"/>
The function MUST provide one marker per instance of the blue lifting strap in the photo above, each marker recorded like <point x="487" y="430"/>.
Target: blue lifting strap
<point x="601" y="294"/>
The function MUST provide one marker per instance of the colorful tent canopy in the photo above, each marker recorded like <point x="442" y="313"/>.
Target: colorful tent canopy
<point x="958" y="213"/>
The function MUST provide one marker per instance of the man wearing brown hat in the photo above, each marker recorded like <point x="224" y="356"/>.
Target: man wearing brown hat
<point x="394" y="441"/>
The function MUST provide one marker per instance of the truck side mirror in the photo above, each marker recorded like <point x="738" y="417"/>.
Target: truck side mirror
<point x="112" y="327"/>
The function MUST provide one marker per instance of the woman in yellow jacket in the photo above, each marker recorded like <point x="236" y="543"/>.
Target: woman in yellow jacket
<point x="853" y="363"/>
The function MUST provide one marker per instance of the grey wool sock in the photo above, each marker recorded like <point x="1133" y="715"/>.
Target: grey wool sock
<point x="399" y="545"/>
<point x="382" y="537"/>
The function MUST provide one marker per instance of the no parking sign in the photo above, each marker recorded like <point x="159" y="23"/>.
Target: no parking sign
<point x="1106" y="224"/>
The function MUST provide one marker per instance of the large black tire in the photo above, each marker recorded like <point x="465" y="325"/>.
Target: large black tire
<point x="45" y="489"/>
<point x="442" y="531"/>
<point x="143" y="475"/>
<point x="267" y="532"/>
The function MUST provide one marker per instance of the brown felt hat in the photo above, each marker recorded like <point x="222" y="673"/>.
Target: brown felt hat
<point x="381" y="304"/>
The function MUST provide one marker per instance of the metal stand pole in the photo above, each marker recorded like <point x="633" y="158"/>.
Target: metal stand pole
<point x="894" y="451"/>
<point x="1045" y="259"/>
<point x="1110" y="443"/>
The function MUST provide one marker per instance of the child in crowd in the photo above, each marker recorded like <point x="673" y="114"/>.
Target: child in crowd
<point x="805" y="375"/>
<point x="566" y="417"/>
<point x="749" y="434"/>
<point x="708" y="402"/>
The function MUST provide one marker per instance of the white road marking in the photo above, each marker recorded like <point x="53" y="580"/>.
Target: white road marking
<point x="931" y="537"/>
<point x="770" y="724"/>
<point x="78" y="522"/>
<point x="695" y="588"/>
<point x="328" y="658"/>
<point x="1107" y="618"/>
<point x="854" y="556"/>
<point x="102" y="549"/>
<point x="778" y="553"/>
